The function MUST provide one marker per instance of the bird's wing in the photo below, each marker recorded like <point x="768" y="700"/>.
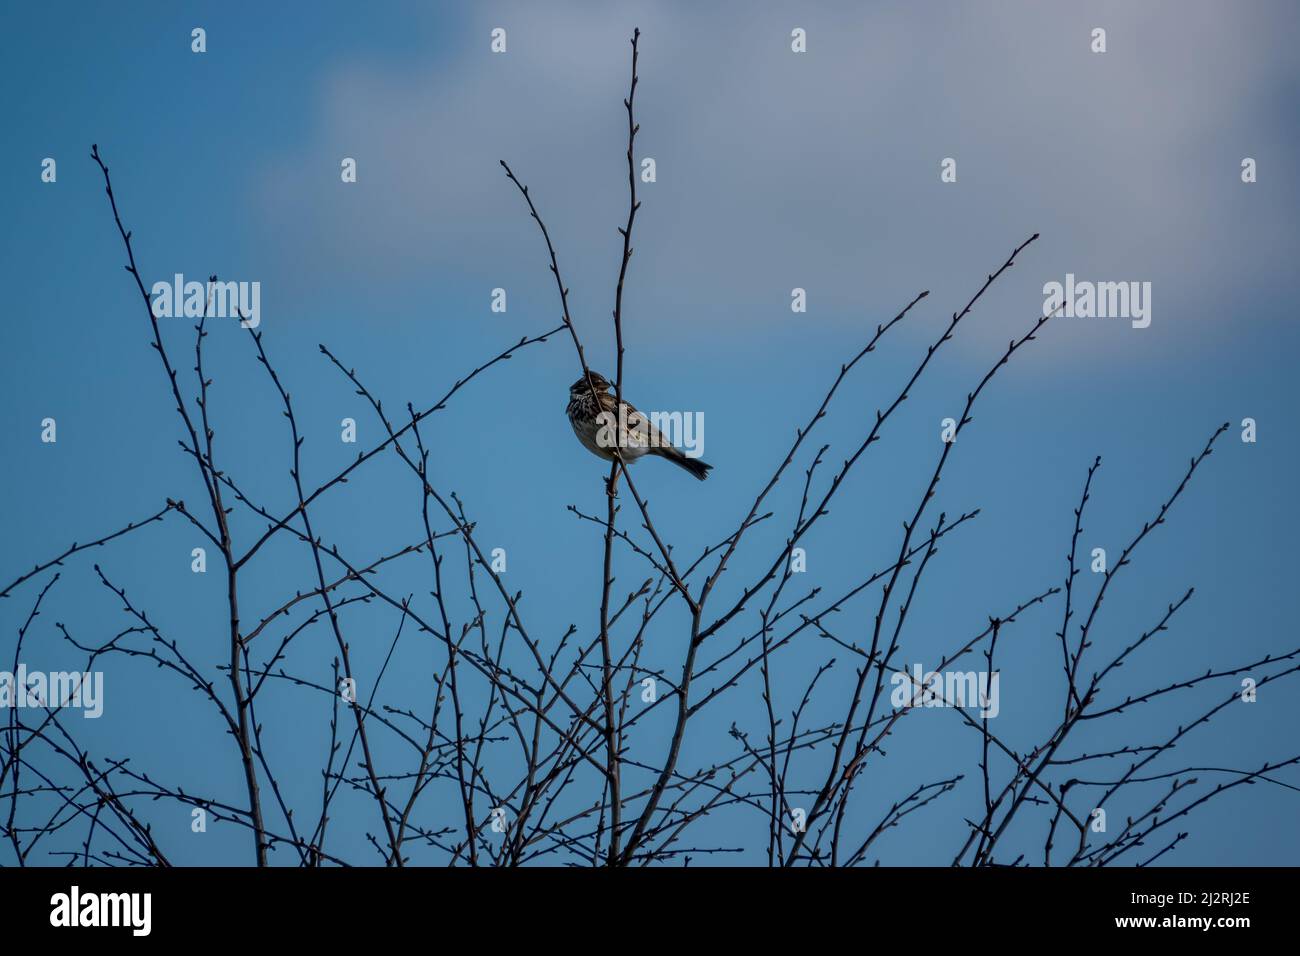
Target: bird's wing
<point x="640" y="432"/>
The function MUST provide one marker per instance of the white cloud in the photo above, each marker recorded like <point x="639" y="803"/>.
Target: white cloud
<point x="819" y="170"/>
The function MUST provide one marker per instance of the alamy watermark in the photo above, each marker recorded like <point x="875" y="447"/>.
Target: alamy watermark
<point x="1100" y="300"/>
<point x="220" y="300"/>
<point x="921" y="688"/>
<point x="56" y="689"/>
<point x="130" y="910"/>
<point x="683" y="430"/>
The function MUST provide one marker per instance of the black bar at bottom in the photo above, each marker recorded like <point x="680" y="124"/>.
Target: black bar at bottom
<point x="340" y="905"/>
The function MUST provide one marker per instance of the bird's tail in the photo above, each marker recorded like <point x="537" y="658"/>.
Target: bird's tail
<point x="696" y="467"/>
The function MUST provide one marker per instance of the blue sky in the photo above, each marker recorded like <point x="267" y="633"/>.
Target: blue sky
<point x="775" y="170"/>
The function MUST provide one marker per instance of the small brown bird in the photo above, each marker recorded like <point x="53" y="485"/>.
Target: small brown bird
<point x="596" y="424"/>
